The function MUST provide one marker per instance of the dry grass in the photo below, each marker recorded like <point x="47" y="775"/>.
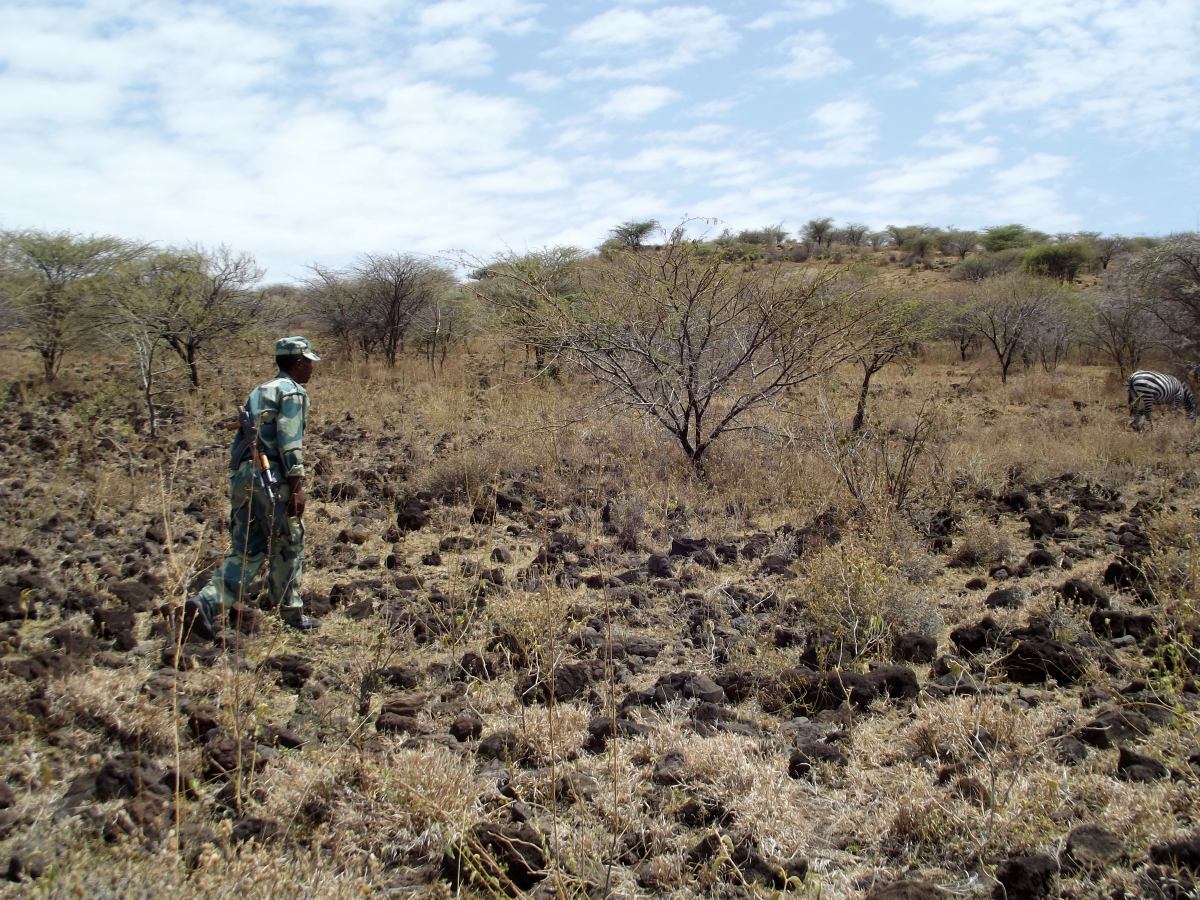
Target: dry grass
<point x="362" y="812"/>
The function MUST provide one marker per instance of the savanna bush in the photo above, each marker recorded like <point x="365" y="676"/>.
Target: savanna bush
<point x="982" y="544"/>
<point x="462" y="476"/>
<point x="982" y="266"/>
<point x="860" y="601"/>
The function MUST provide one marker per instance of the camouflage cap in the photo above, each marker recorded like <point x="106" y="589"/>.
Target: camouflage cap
<point x="295" y="346"/>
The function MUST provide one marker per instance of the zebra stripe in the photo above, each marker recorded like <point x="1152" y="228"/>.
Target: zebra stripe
<point x="1146" y="388"/>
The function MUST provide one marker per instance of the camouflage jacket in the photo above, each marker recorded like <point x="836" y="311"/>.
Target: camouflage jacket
<point x="280" y="409"/>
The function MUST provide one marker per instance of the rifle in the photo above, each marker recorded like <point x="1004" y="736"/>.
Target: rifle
<point x="247" y="446"/>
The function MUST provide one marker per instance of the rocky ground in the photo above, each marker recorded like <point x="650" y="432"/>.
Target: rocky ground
<point x="548" y="679"/>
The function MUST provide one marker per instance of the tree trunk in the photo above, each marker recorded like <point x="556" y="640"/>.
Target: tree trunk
<point x="861" y="412"/>
<point x="193" y="366"/>
<point x="50" y="359"/>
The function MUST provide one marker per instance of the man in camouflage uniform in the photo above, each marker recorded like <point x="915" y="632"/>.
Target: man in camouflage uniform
<point x="258" y="528"/>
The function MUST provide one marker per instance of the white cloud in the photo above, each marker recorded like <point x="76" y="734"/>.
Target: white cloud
<point x="1034" y="168"/>
<point x="536" y="80"/>
<point x="636" y="43"/>
<point x="637" y="101"/>
<point x="1126" y="67"/>
<point x="318" y="130"/>
<point x="796" y="11"/>
<point x="461" y="56"/>
<point x="510" y="16"/>
<point x="713" y="109"/>
<point x="580" y="138"/>
<point x="846" y="130"/>
<point x="917" y="175"/>
<point x="810" y="55"/>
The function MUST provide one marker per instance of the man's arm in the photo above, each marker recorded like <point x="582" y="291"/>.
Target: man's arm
<point x="289" y="434"/>
<point x="296" y="499"/>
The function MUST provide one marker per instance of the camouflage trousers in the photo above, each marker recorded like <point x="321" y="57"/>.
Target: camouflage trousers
<point x="258" y="533"/>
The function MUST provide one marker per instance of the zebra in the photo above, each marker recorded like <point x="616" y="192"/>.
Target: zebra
<point x="1145" y="388"/>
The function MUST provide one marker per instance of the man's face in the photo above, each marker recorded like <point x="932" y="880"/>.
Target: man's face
<point x="301" y="370"/>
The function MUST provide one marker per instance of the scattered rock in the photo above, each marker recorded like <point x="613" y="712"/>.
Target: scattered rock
<point x="1035" y="660"/>
<point x="394" y="723"/>
<point x="1113" y="727"/>
<point x="660" y="566"/>
<point x="684" y="546"/>
<point x="973" y="639"/>
<point x="254" y="828"/>
<point x="914" y="647"/>
<point x="513" y="854"/>
<point x="137" y="596"/>
<point x="27" y="863"/>
<point x="1182" y="854"/>
<point x="1005" y="598"/>
<point x="412" y="513"/>
<point x="1133" y="766"/>
<point x="670" y="769"/>
<point x="466" y="727"/>
<point x="293" y="670"/>
<point x="566" y="682"/>
<point x="1078" y="592"/>
<point x="115" y="624"/>
<point x="506" y="746"/>
<point x="602" y="728"/>
<point x="1092" y="848"/>
<point x="1041" y="559"/>
<point x="355" y="535"/>
<point x="578" y="787"/>
<point x="1029" y="876"/>
<point x="808" y="756"/>
<point x="1113" y="624"/>
<point x="677" y="686"/>
<point x="908" y="889"/>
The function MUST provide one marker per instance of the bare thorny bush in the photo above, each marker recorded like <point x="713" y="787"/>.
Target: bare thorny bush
<point x="898" y="467"/>
<point x="867" y="590"/>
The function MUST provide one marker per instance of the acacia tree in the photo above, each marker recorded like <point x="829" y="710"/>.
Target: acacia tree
<point x="819" y="231"/>
<point x="959" y="242"/>
<point x="373" y="304"/>
<point x="1061" y="261"/>
<point x="129" y="314"/>
<point x="451" y="317"/>
<point x="395" y="288"/>
<point x="853" y="233"/>
<point x="1169" y="274"/>
<point x="529" y="293"/>
<point x="1059" y="330"/>
<point x="199" y="298"/>
<point x="50" y="279"/>
<point x="1007" y="237"/>
<point x="330" y="297"/>
<point x="1120" y="325"/>
<point x="219" y="300"/>
<point x="1006" y="311"/>
<point x="632" y="234"/>
<point x="896" y="325"/>
<point x="696" y="343"/>
<point x="1107" y="247"/>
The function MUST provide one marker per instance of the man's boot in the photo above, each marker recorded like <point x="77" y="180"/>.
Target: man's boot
<point x="295" y="618"/>
<point x="197" y="621"/>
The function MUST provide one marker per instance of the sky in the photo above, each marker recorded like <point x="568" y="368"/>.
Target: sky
<point x="318" y="130"/>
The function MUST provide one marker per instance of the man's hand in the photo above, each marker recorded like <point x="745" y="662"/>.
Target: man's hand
<point x="297" y="501"/>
